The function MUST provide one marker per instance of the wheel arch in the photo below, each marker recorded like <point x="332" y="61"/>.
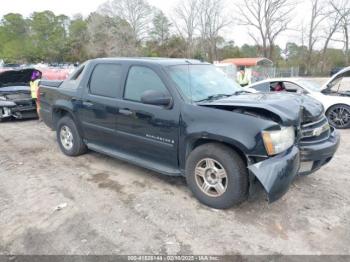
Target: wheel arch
<point x="335" y="104"/>
<point x="201" y="141"/>
<point x="59" y="112"/>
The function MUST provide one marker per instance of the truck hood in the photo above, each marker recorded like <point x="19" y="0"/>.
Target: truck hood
<point x="335" y="79"/>
<point x="16" y="77"/>
<point x="291" y="109"/>
<point x="14" y="89"/>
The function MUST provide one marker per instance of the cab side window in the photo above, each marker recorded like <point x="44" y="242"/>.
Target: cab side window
<point x="141" y="79"/>
<point x="106" y="80"/>
<point x="262" y="87"/>
<point x="291" y="87"/>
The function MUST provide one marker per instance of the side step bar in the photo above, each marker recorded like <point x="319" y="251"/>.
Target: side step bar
<point x="135" y="160"/>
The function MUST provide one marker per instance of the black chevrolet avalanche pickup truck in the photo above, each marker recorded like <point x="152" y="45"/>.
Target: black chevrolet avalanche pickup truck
<point x="186" y="118"/>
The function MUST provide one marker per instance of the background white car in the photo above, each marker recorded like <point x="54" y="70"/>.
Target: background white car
<point x="334" y="94"/>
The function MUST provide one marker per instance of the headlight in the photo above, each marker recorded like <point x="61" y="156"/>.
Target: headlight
<point x="279" y="140"/>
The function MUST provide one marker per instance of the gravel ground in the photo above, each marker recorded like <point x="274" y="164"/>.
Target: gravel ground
<point x="94" y="204"/>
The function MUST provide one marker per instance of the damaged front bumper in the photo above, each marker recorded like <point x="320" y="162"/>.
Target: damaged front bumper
<point x="277" y="173"/>
<point x="10" y="109"/>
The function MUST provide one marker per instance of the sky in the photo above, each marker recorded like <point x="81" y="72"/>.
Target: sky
<point x="67" y="7"/>
<point x="70" y="7"/>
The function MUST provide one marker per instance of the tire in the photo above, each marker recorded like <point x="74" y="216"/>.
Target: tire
<point x="68" y="137"/>
<point x="220" y="158"/>
<point x="339" y="116"/>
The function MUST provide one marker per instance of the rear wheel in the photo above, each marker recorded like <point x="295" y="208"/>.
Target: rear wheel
<point x="68" y="137"/>
<point x="339" y="116"/>
<point x="217" y="176"/>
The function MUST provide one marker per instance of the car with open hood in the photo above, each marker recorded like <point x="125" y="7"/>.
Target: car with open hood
<point x="186" y="118"/>
<point x="15" y="97"/>
<point x="334" y="94"/>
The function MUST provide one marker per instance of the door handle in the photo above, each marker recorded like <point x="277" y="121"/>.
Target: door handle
<point x="126" y="112"/>
<point x="88" y="103"/>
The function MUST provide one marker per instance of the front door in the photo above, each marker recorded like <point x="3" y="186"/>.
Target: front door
<point x="148" y="131"/>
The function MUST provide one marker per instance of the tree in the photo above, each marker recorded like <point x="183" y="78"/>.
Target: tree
<point x="48" y="35"/>
<point x="268" y="19"/>
<point x="176" y="47"/>
<point x="135" y="12"/>
<point x="186" y="22"/>
<point x="229" y="50"/>
<point x="13" y="36"/>
<point x="160" y="28"/>
<point x="249" y="51"/>
<point x="333" y="20"/>
<point x="211" y="20"/>
<point x="316" y="18"/>
<point x="342" y="8"/>
<point x="109" y="36"/>
<point x="76" y="42"/>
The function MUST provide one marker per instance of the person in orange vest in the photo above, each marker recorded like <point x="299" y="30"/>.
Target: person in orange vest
<point x="34" y="87"/>
<point x="242" y="77"/>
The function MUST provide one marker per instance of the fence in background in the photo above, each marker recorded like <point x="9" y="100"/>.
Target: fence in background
<point x="259" y="73"/>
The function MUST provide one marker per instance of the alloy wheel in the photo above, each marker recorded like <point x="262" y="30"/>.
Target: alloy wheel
<point x="66" y="137"/>
<point x="211" y="177"/>
<point x="339" y="117"/>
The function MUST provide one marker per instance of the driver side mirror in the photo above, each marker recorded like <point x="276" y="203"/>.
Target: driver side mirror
<point x="157" y="98"/>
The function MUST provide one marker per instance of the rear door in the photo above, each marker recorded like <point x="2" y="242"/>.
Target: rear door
<point x="148" y="131"/>
<point x="98" y="108"/>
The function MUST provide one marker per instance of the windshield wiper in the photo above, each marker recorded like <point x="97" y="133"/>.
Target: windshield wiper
<point x="214" y="97"/>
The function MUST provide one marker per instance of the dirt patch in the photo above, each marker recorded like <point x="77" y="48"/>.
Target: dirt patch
<point x="112" y="207"/>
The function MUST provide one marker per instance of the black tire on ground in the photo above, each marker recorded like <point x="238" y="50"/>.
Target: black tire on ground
<point x="78" y="147"/>
<point x="341" y="113"/>
<point x="237" y="175"/>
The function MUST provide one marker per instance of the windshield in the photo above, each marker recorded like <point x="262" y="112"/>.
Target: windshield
<point x="311" y="85"/>
<point x="202" y="82"/>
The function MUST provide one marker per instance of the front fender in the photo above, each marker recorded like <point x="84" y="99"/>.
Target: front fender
<point x="239" y="130"/>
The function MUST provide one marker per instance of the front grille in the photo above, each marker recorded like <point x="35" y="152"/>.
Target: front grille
<point x="317" y="131"/>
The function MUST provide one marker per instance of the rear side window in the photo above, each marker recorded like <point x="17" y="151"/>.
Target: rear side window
<point x="77" y="73"/>
<point x="141" y="79"/>
<point x="105" y="80"/>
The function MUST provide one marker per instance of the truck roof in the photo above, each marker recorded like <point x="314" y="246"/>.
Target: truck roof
<point x="154" y="60"/>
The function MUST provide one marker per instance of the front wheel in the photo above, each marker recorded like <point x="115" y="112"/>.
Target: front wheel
<point x="217" y="176"/>
<point x="339" y="116"/>
<point x="68" y="137"/>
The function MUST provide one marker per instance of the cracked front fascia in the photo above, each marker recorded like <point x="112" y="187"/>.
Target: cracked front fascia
<point x="6" y="109"/>
<point x="277" y="173"/>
